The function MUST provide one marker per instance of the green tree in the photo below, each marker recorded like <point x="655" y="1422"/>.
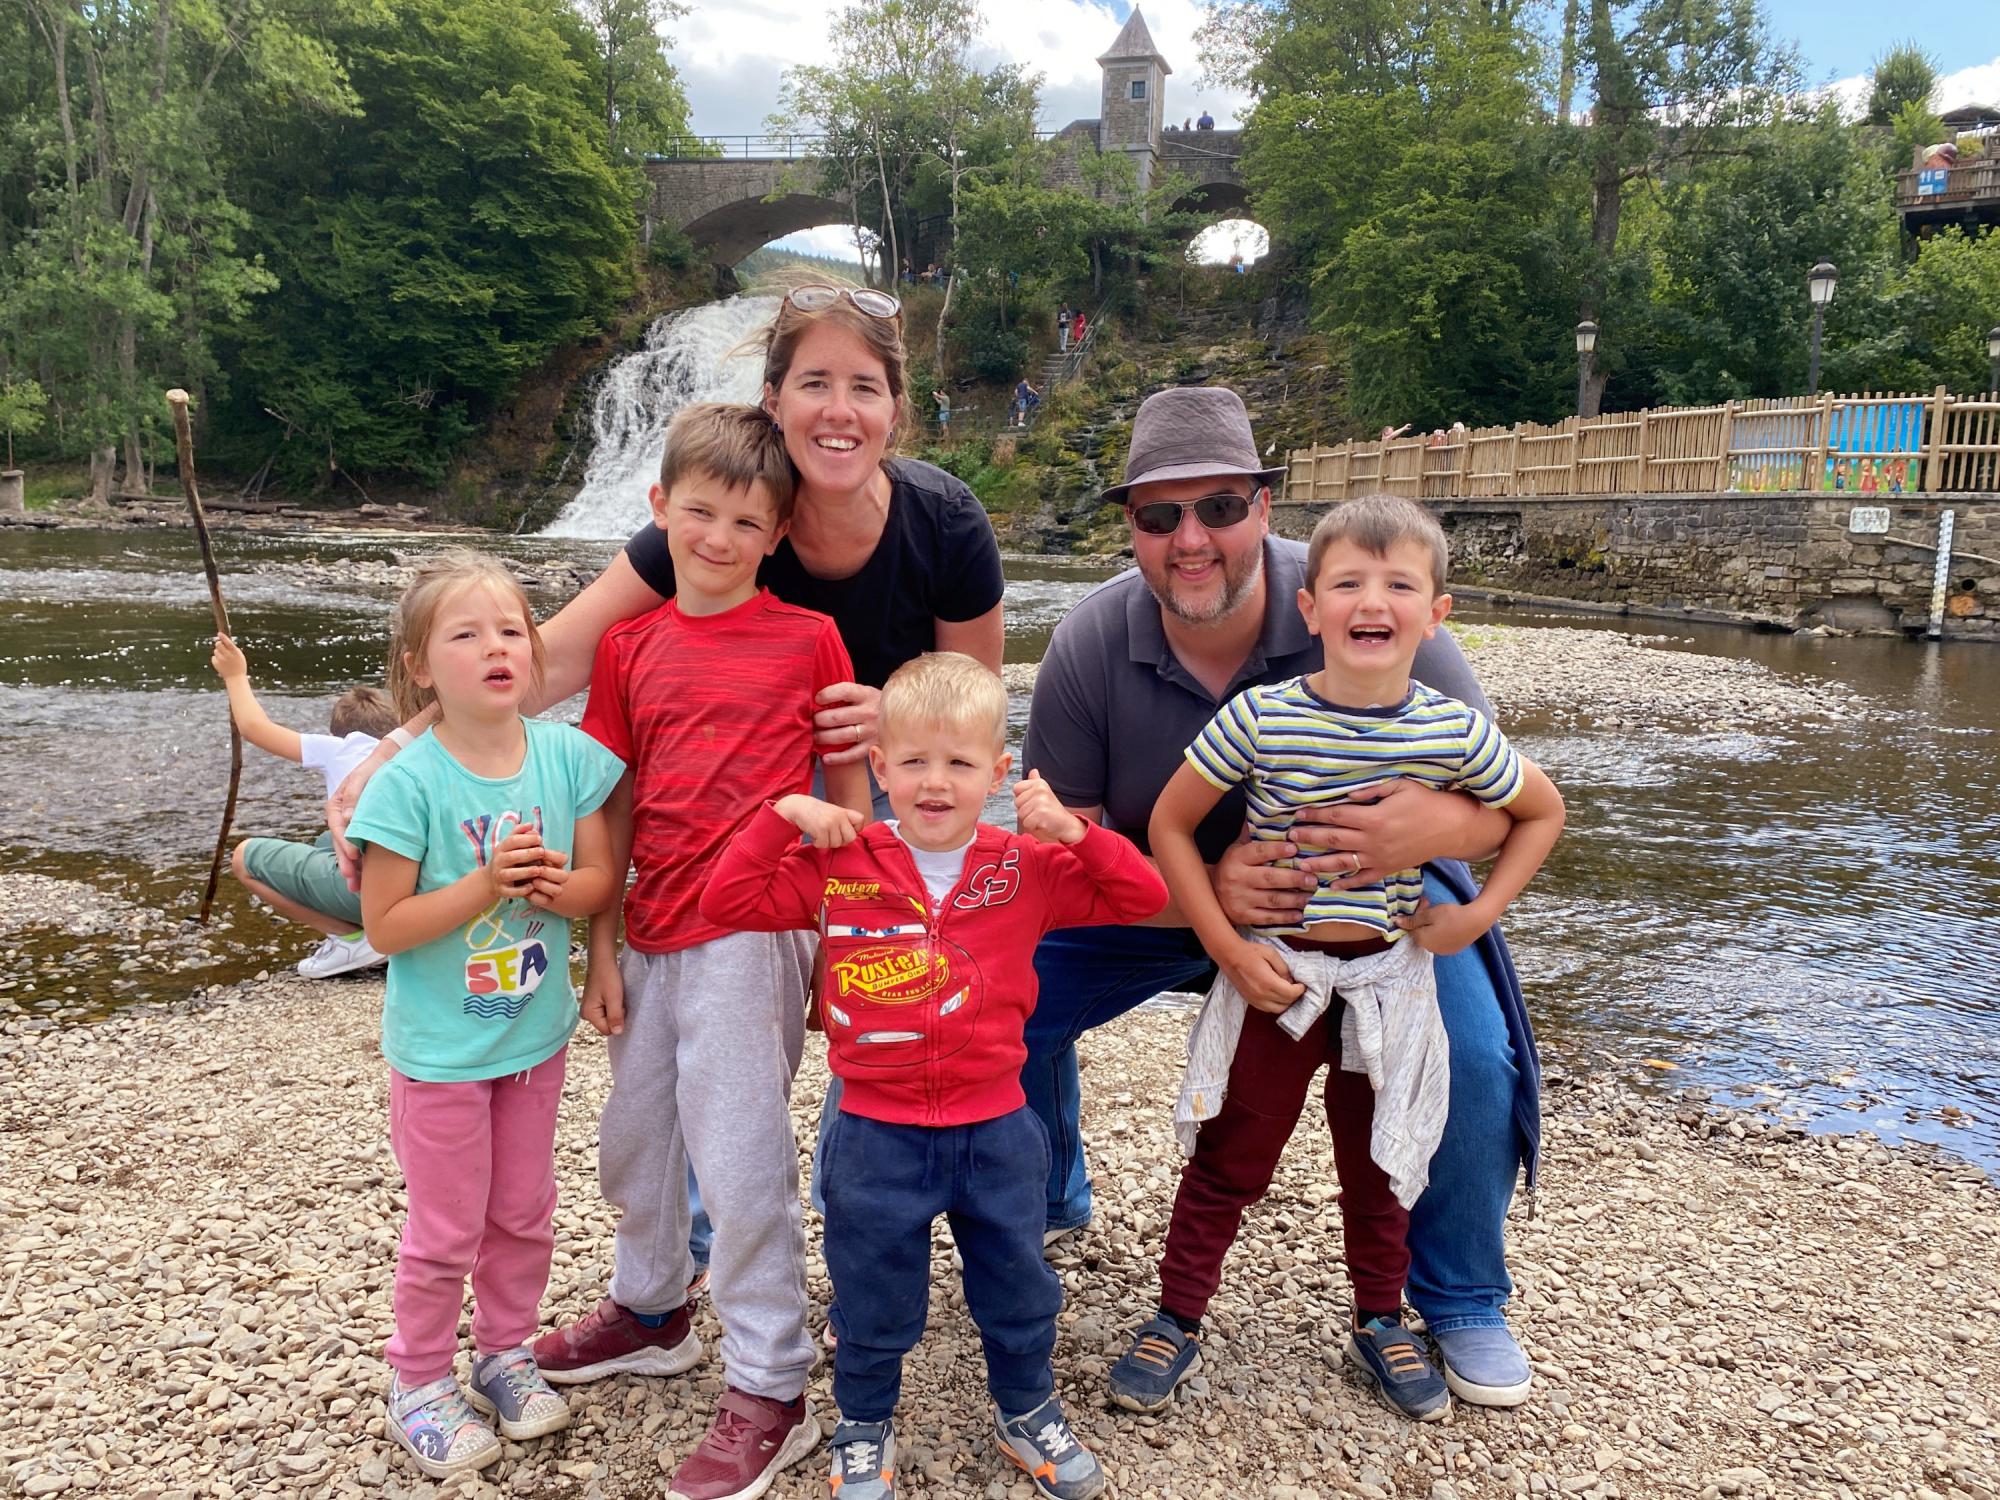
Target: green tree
<point x="1397" y="146"/>
<point x="1927" y="327"/>
<point x="21" y="403"/>
<point x="1902" y="76"/>
<point x="644" y="105"/>
<point x="1726" y="313"/>
<point x="901" y="108"/>
<point x="434" y="249"/>
<point x="1673" y="83"/>
<point x="126" y="254"/>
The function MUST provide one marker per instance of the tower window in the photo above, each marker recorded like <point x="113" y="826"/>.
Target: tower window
<point x="1138" y="88"/>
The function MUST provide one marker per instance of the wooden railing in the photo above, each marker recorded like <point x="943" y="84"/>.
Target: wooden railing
<point x="1976" y="182"/>
<point x="1866" y="444"/>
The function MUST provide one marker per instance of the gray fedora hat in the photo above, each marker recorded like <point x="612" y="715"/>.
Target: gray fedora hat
<point x="1191" y="432"/>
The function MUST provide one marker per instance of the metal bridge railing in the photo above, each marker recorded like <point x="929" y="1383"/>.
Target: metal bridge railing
<point x="753" y="147"/>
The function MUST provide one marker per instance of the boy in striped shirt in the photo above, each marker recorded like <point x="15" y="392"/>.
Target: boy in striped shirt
<point x="1350" y="984"/>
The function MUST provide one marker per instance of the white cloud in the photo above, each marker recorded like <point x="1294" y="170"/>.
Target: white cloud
<point x="732" y="58"/>
<point x="1978" y="84"/>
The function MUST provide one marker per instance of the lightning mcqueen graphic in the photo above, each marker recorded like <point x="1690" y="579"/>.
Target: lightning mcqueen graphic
<point x="892" y="992"/>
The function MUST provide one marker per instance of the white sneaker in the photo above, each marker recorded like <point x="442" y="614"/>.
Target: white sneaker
<point x="340" y="955"/>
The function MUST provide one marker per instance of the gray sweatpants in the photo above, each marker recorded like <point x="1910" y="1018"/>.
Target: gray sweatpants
<point x="703" y="1072"/>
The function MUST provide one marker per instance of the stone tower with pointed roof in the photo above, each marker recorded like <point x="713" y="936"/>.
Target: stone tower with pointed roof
<point x="1134" y="104"/>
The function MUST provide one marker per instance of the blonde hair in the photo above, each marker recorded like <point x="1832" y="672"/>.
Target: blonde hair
<point x="439" y="579"/>
<point x="1375" y="523"/>
<point x="737" y="444"/>
<point x="945" y="687"/>
<point x="363" y="710"/>
<point x="778" y="341"/>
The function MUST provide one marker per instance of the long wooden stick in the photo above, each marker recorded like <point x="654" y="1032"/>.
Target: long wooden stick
<point x="177" y="400"/>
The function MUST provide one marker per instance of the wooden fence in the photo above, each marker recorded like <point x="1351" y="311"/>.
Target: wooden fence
<point x="1864" y="444"/>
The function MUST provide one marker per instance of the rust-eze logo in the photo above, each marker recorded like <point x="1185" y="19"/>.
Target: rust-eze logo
<point x="891" y="973"/>
<point x="852" y="890"/>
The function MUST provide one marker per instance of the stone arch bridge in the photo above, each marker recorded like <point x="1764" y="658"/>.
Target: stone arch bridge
<point x="731" y="194"/>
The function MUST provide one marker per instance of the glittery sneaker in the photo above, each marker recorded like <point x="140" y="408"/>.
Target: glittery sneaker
<point x="608" y="1340"/>
<point x="1042" y="1444"/>
<point x="507" y="1387"/>
<point x="436" y="1426"/>
<point x="750" y="1441"/>
<point x="340" y="955"/>
<point x="864" y="1461"/>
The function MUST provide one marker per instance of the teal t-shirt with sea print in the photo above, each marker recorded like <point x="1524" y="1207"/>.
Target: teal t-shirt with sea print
<point x="492" y="997"/>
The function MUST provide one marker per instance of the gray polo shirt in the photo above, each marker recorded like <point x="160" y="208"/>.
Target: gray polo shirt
<point x="1114" y="708"/>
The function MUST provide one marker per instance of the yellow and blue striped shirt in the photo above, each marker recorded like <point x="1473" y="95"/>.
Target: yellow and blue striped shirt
<point x="1291" y="749"/>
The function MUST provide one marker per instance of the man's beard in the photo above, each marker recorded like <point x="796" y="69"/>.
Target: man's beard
<point x="1239" y="581"/>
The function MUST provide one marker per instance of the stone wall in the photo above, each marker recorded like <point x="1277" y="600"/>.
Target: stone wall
<point x="1787" y="560"/>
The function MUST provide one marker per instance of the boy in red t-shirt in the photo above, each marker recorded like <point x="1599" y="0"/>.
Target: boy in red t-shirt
<point x="929" y="928"/>
<point x="709" y="700"/>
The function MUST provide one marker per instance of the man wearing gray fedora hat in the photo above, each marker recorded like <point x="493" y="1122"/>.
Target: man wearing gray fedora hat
<point x="1132" y="675"/>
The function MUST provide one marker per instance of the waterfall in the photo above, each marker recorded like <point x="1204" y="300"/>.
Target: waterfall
<point x="681" y="361"/>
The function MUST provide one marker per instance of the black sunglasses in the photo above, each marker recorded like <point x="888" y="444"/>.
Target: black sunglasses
<point x="1215" y="512"/>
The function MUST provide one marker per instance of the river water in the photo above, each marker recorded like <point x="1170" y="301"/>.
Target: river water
<point x="1803" y="917"/>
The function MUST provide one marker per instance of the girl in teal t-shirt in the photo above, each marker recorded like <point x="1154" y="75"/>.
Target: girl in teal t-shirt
<point x="482" y="840"/>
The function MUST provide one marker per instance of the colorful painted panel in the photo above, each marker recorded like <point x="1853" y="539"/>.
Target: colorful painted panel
<point x="1875" y="448"/>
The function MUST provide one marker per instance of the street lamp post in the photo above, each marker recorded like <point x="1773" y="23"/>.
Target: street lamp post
<point x="1819" y="282"/>
<point x="1993" y="359"/>
<point x="1586" y="345"/>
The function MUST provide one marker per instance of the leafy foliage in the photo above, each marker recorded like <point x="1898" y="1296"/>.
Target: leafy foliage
<point x="433" y="249"/>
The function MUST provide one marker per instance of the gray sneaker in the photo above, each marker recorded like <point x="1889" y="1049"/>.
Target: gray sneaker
<point x="864" y="1461"/>
<point x="509" y="1387"/>
<point x="433" y="1423"/>
<point x="1042" y="1444"/>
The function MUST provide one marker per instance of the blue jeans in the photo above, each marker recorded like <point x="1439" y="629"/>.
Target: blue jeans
<point x="886" y="1186"/>
<point x="1458" y="1269"/>
<point x="701" y="1233"/>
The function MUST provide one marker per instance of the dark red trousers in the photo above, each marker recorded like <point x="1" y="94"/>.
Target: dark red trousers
<point x="1237" y="1152"/>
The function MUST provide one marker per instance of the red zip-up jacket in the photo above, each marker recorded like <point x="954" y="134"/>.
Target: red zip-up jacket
<point x="924" y="1007"/>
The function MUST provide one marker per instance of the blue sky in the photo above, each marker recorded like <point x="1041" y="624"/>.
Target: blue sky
<point x="1841" y="38"/>
<point x="732" y="55"/>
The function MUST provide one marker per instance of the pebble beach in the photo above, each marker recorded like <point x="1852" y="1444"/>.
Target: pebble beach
<point x="199" y="1210"/>
<point x="202" y="1209"/>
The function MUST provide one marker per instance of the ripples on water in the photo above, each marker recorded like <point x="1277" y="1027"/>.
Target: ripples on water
<point x="1805" y="910"/>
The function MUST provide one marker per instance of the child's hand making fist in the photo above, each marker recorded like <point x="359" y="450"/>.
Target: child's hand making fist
<point x="827" y="824"/>
<point x="1038" y="814"/>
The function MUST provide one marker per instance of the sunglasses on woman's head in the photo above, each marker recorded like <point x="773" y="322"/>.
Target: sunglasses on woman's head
<point x="819" y="297"/>
<point x="1215" y="512"/>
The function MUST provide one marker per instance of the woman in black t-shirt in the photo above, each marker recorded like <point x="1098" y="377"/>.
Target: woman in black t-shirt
<point x="898" y="552"/>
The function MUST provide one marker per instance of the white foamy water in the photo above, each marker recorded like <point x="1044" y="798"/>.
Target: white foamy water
<point x="684" y="359"/>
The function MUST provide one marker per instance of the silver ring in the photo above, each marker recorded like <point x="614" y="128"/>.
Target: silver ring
<point x="1356" y="867"/>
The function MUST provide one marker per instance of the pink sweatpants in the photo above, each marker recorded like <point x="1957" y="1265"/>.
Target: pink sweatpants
<point x="479" y="1160"/>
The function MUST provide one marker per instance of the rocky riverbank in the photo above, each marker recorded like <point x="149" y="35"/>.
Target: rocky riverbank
<point x="201" y="1213"/>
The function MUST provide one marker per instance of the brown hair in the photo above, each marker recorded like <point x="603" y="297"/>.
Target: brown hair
<point x="438" y="579"/>
<point x="737" y="444"/>
<point x="363" y="710"/>
<point x="944" y="687"/>
<point x="1375" y="523"/>
<point x="882" y="337"/>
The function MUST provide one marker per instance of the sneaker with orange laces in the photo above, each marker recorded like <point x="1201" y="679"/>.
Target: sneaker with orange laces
<point x="609" y="1340"/>
<point x="1161" y="1356"/>
<point x="1389" y="1354"/>
<point x="750" y="1441"/>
